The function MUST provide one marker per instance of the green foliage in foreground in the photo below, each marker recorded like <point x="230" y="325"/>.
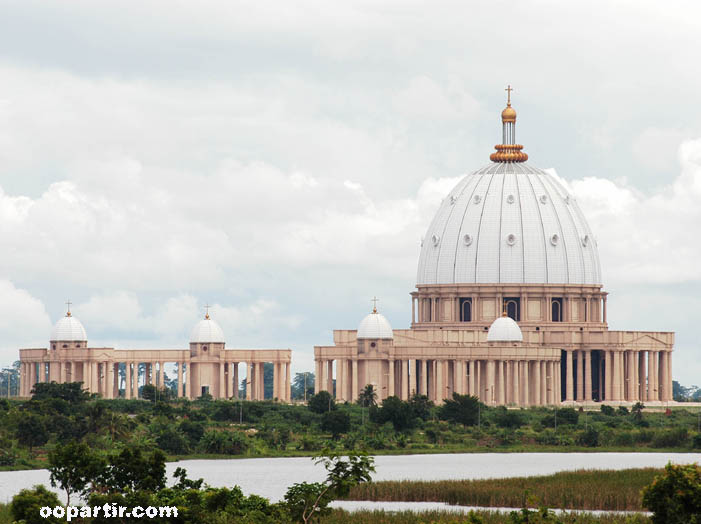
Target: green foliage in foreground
<point x="675" y="496"/>
<point x="584" y="489"/>
<point x="135" y="477"/>
<point x="59" y="414"/>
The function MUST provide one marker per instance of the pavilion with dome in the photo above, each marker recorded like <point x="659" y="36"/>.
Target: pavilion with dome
<point x="207" y="367"/>
<point x="509" y="305"/>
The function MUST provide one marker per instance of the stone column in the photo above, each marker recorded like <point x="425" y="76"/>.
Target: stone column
<point x="249" y="379"/>
<point x="135" y="381"/>
<point x="491" y="386"/>
<point x="608" y="371"/>
<point x="235" y="375"/>
<point x="329" y="377"/>
<point x="663" y="375"/>
<point x="526" y="383"/>
<point x="161" y="375"/>
<point x="580" y="376"/>
<point x="341" y="379"/>
<point x="650" y="367"/>
<point x="423" y="379"/>
<point x="412" y="377"/>
<point x="656" y="375"/>
<point x="188" y="380"/>
<point x="413" y="310"/>
<point x="544" y="383"/>
<point x="440" y="390"/>
<point x="536" y="382"/>
<point x="670" y="390"/>
<point x="508" y="381"/>
<point x="587" y="376"/>
<point x="471" y="382"/>
<point x="354" y="380"/>
<point x="180" y="379"/>
<point x="317" y="376"/>
<point x="516" y="384"/>
<point x="391" y="376"/>
<point x="261" y="381"/>
<point x="128" y="390"/>
<point x="405" y="379"/>
<point x="570" y="378"/>
<point x="500" y="382"/>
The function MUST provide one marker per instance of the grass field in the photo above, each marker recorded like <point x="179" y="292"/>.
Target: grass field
<point x="584" y="489"/>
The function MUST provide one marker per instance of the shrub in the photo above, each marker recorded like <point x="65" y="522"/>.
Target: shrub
<point x="463" y="409"/>
<point x="588" y="438"/>
<point x="26" y="504"/>
<point x="696" y="443"/>
<point x="671" y="438"/>
<point x="607" y="410"/>
<point x="624" y="438"/>
<point x="321" y="402"/>
<point x="675" y="496"/>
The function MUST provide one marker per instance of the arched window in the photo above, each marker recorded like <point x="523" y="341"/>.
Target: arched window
<point x="465" y="310"/>
<point x="556" y="309"/>
<point x="512" y="308"/>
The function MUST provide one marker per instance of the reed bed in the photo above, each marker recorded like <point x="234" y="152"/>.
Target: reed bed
<point x="583" y="489"/>
<point x="482" y="517"/>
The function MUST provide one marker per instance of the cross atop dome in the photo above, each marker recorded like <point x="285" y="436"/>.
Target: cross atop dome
<point x="374" y="301"/>
<point x="206" y="311"/>
<point x="68" y="313"/>
<point x="508" y="150"/>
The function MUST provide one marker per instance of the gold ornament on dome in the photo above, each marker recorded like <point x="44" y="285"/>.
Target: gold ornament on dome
<point x="508" y="152"/>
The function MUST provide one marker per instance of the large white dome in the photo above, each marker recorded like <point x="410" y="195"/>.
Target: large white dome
<point x="375" y="325"/>
<point x="68" y="329"/>
<point x="207" y="331"/>
<point x="509" y="223"/>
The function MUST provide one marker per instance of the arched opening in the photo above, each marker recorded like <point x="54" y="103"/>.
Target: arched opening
<point x="556" y="309"/>
<point x="512" y="308"/>
<point x="465" y="310"/>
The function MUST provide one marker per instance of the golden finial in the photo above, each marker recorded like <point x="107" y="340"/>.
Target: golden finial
<point x="206" y="308"/>
<point x="68" y="313"/>
<point x="509" y="150"/>
<point x="374" y="301"/>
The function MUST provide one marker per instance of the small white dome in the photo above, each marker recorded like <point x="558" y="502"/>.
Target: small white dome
<point x="504" y="329"/>
<point x="207" y="331"/>
<point x="68" y="329"/>
<point x="375" y="326"/>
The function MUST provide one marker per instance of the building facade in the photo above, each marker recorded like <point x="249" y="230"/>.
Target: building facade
<point x="507" y="241"/>
<point x="207" y="367"/>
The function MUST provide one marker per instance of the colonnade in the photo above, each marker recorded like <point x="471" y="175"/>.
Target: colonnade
<point x="619" y="376"/>
<point x="494" y="381"/>
<point x="105" y="379"/>
<point x="624" y="376"/>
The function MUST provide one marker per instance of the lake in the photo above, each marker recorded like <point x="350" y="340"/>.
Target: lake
<point x="270" y="477"/>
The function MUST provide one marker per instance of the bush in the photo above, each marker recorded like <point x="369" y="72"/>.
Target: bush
<point x="321" y="402"/>
<point x="26" y="504"/>
<point x="672" y="438"/>
<point x="588" y="438"/>
<point x="675" y="496"/>
<point x="607" y="410"/>
<point x="505" y="418"/>
<point x="463" y="409"/>
<point x="696" y="443"/>
<point x="336" y="422"/>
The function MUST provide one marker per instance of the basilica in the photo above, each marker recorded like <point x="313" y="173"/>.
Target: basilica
<point x="509" y="305"/>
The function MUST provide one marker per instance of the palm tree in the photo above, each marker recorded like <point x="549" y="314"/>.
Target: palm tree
<point x="368" y="397"/>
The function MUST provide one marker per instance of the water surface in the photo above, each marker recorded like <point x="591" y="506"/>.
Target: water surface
<point x="270" y="477"/>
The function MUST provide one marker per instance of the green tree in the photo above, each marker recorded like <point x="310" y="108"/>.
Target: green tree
<point x="674" y="497"/>
<point x="421" y="406"/>
<point x="321" y="402"/>
<point x="462" y="409"/>
<point x="135" y="469"/>
<point x="73" y="467"/>
<point x="396" y="411"/>
<point x="307" y="502"/>
<point x="298" y="385"/>
<point x="336" y="421"/>
<point x="368" y="397"/>
<point x="26" y="504"/>
<point x="71" y="392"/>
<point x="32" y="430"/>
<point x="637" y="411"/>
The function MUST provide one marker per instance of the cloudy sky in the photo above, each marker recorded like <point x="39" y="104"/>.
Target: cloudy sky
<point x="281" y="161"/>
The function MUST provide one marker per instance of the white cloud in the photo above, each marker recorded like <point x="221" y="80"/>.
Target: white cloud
<point x="23" y="322"/>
